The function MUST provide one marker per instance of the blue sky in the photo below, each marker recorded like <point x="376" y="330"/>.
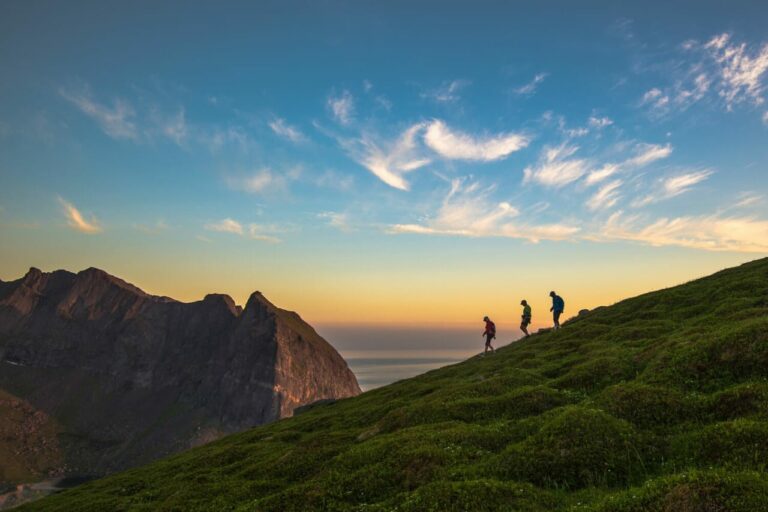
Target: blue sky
<point x="342" y="156"/>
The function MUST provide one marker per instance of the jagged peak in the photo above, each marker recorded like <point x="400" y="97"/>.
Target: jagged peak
<point x="96" y="275"/>
<point x="224" y="299"/>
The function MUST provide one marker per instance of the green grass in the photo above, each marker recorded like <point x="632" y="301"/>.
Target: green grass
<point x="657" y="403"/>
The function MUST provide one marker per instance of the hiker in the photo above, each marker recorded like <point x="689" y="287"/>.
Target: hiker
<point x="558" y="306"/>
<point x="489" y="333"/>
<point x="526" y="317"/>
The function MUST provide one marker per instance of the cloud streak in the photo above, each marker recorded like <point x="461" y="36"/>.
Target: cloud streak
<point x="77" y="221"/>
<point x="342" y="107"/>
<point x="457" y="145"/>
<point x="530" y="88"/>
<point x="709" y="232"/>
<point x="116" y="121"/>
<point x="286" y="131"/>
<point x="674" y="186"/>
<point x="468" y="210"/>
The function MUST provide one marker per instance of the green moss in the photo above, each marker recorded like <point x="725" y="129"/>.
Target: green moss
<point x="742" y="443"/>
<point x="576" y="448"/>
<point x="707" y="491"/>
<point x="646" y="406"/>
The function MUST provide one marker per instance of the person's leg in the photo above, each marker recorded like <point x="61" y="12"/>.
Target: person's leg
<point x="557" y="319"/>
<point x="524" y="328"/>
<point x="488" y="342"/>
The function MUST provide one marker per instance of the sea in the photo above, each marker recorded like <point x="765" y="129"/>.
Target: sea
<point x="380" y="355"/>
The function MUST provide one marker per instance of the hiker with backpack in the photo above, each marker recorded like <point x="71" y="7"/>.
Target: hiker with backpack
<point x="526" y="318"/>
<point x="489" y="333"/>
<point x="558" y="306"/>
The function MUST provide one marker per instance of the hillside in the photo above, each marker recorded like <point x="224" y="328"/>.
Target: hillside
<point x="97" y="376"/>
<point x="659" y="402"/>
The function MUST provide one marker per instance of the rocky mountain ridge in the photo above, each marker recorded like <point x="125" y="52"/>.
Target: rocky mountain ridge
<point x="123" y="377"/>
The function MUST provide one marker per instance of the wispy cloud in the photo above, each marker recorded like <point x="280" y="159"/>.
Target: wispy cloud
<point x="674" y="186"/>
<point x="457" y="145"/>
<point x="468" y="210"/>
<point x="644" y="154"/>
<point x="741" y="73"/>
<point x="736" y="71"/>
<point x="530" y="87"/>
<point x="606" y="196"/>
<point x="285" y="130"/>
<point x="152" y="229"/>
<point x="765" y="117"/>
<point x="225" y="226"/>
<point x="342" y="107"/>
<point x="648" y="153"/>
<point x="709" y="232"/>
<point x="116" y="121"/>
<point x="262" y="181"/>
<point x="174" y="126"/>
<point x="599" y="122"/>
<point x="389" y="161"/>
<point x="77" y="221"/>
<point x="252" y="231"/>
<point x="448" y="92"/>
<point x="337" y="220"/>
<point x="556" y="168"/>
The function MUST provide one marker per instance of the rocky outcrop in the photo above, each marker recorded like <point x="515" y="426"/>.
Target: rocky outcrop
<point x="128" y="377"/>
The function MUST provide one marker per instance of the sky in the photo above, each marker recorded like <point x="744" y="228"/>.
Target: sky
<point x="385" y="165"/>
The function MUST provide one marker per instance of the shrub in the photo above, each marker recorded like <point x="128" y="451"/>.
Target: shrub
<point x="576" y="448"/>
<point x="644" y="405"/>
<point x="742" y="400"/>
<point x="597" y="373"/>
<point x="709" y="491"/>
<point x="741" y="442"/>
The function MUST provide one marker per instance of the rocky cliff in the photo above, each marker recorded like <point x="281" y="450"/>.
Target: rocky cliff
<point x="116" y="377"/>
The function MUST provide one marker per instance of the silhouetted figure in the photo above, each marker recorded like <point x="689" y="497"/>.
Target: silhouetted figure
<point x="558" y="306"/>
<point x="489" y="333"/>
<point x="526" y="319"/>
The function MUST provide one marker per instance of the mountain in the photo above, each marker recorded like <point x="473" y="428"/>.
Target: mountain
<point x="657" y="403"/>
<point x="98" y="376"/>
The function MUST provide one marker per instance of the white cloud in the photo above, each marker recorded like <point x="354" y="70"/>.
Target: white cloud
<point x="116" y="121"/>
<point x="605" y="197"/>
<point x="741" y="73"/>
<point x="448" y="92"/>
<point x="76" y="221"/>
<point x="468" y="210"/>
<point x="389" y="161"/>
<point x="598" y="175"/>
<point x="337" y="220"/>
<point x="333" y="179"/>
<point x="531" y="86"/>
<point x="461" y="146"/>
<point x="262" y="181"/>
<point x="600" y="122"/>
<point x="674" y="186"/>
<point x="765" y="117"/>
<point x="262" y="233"/>
<point x="252" y="231"/>
<point x="556" y="168"/>
<point x="285" y="130"/>
<point x="342" y="107"/>
<point x="173" y="127"/>
<point x="225" y="226"/>
<point x="748" y="199"/>
<point x="648" y="153"/>
<point x="710" y="232"/>
<point x="152" y="229"/>
<point x="644" y="154"/>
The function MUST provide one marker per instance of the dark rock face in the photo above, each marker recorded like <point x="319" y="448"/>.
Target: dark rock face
<point x="128" y="377"/>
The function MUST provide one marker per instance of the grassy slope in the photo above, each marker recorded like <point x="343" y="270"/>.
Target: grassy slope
<point x="657" y="403"/>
